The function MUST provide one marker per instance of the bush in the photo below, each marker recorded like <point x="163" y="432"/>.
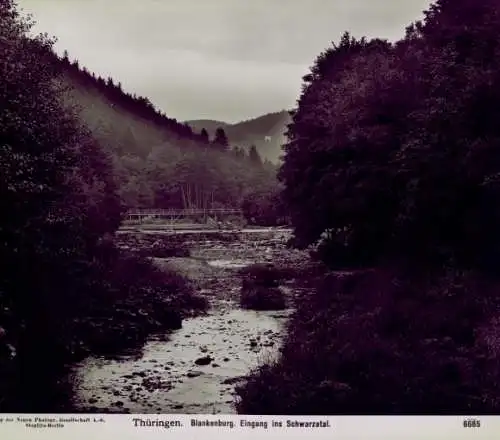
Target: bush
<point x="129" y="298"/>
<point x="260" y="275"/>
<point x="339" y="255"/>
<point x="264" y="208"/>
<point x="262" y="298"/>
<point x="265" y="275"/>
<point x="379" y="342"/>
<point x="259" y="289"/>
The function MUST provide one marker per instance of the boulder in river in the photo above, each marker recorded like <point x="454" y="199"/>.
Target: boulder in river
<point x="205" y="360"/>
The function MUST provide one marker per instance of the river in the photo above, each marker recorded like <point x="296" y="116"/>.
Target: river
<point x="196" y="368"/>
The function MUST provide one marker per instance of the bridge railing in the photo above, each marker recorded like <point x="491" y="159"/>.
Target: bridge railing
<point x="174" y="212"/>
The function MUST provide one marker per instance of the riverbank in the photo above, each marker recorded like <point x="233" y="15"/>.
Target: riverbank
<point x="121" y="298"/>
<point x="136" y="299"/>
<point x="383" y="342"/>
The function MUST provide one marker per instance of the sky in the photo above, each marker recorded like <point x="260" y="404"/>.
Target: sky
<point x="228" y="60"/>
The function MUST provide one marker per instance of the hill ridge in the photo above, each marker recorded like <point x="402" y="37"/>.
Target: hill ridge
<point x="266" y="132"/>
<point x="158" y="162"/>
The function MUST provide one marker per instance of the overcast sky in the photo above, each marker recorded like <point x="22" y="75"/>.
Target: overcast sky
<point x="228" y="60"/>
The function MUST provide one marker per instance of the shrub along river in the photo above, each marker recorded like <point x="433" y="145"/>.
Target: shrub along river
<point x="195" y="369"/>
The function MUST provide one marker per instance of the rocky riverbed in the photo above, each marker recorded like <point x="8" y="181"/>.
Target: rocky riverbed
<point x="196" y="368"/>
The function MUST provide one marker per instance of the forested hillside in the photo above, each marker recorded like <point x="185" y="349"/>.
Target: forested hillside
<point x="266" y="133"/>
<point x="159" y="162"/>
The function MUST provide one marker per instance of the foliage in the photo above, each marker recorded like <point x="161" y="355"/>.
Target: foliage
<point x="253" y="155"/>
<point x="393" y="163"/>
<point x="371" y="343"/>
<point x="63" y="288"/>
<point x="262" y="298"/>
<point x="204" y="136"/>
<point x="53" y="194"/>
<point x="158" y="162"/>
<point x="329" y="184"/>
<point x="265" y="207"/>
<point x="259" y="288"/>
<point x="383" y="146"/>
<point x="220" y="140"/>
<point x="129" y="299"/>
<point x="260" y="275"/>
<point x="253" y="131"/>
<point x="127" y="102"/>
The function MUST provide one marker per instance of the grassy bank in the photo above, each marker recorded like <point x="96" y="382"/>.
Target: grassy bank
<point x="380" y="342"/>
<point x="132" y="299"/>
<point x="121" y="300"/>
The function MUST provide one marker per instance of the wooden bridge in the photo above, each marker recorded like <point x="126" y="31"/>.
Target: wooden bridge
<point x="177" y="215"/>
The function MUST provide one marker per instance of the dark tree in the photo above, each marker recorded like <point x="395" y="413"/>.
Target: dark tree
<point x="239" y="152"/>
<point x="404" y="148"/>
<point x="254" y="156"/>
<point x="264" y="207"/>
<point x="205" y="139"/>
<point x="220" y="140"/>
<point x="57" y="193"/>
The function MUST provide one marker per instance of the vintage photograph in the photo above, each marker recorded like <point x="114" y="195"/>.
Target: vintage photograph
<point x="260" y="207"/>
